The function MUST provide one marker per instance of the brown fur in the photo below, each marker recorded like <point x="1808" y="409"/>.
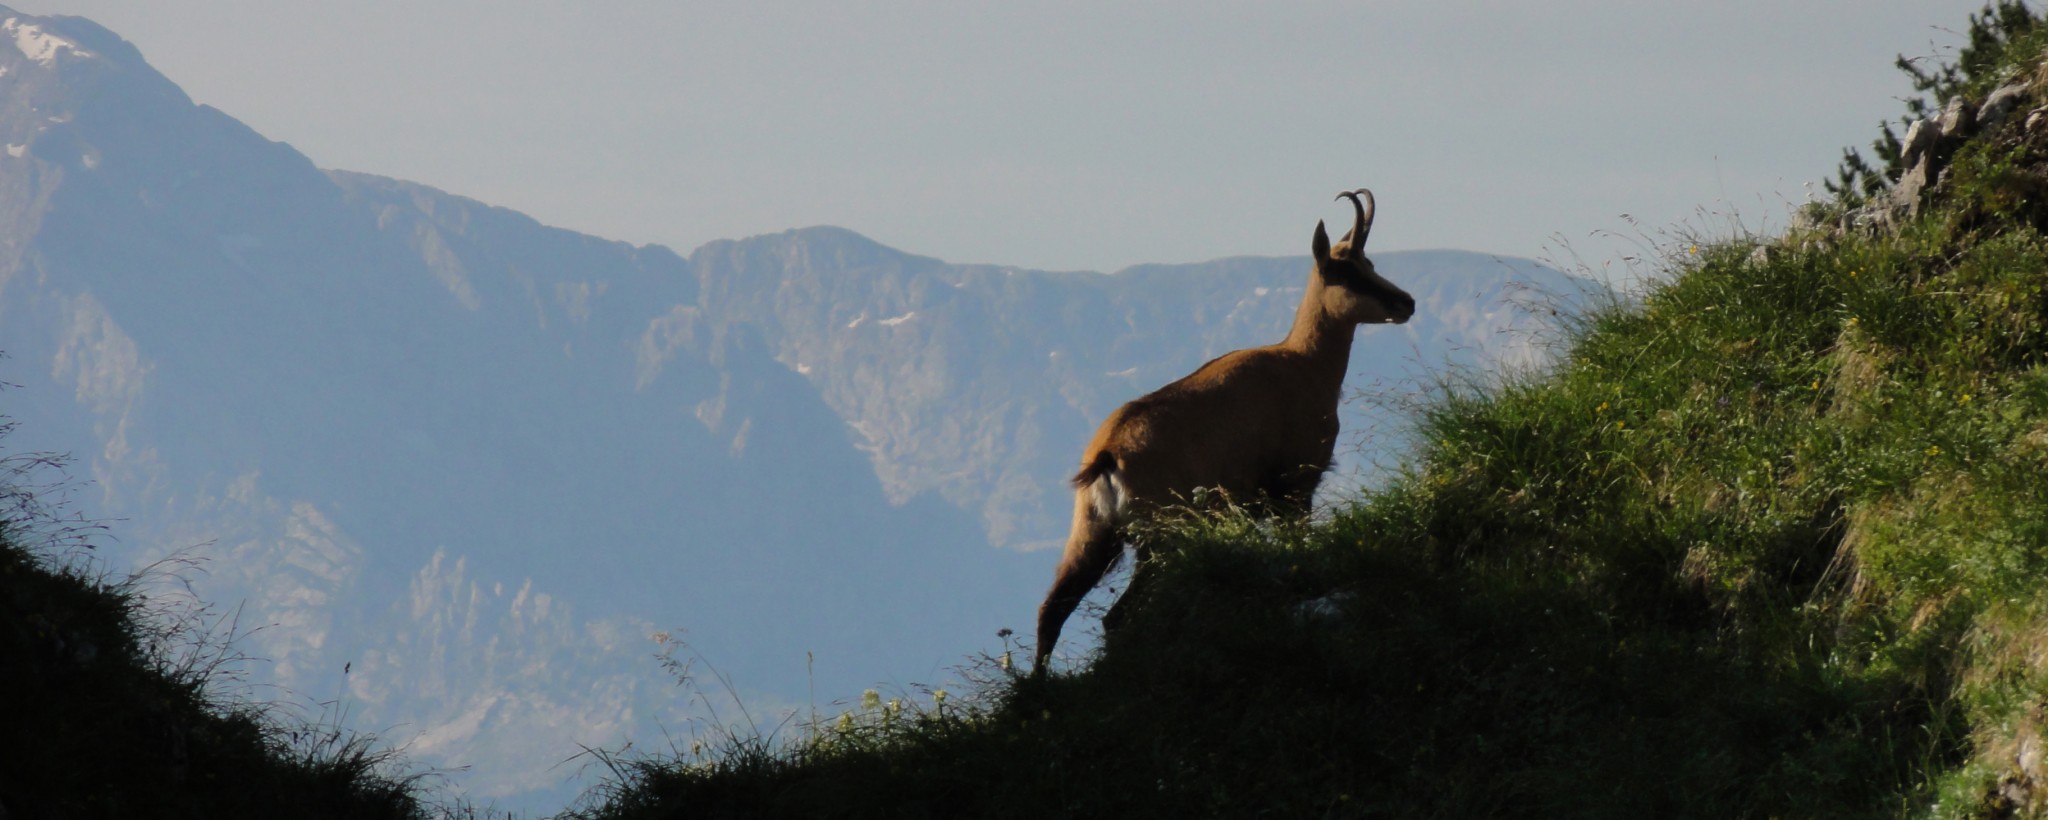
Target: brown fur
<point x="1259" y="425"/>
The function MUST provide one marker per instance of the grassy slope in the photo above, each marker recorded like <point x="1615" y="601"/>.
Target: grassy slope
<point x="1770" y="542"/>
<point x="96" y="722"/>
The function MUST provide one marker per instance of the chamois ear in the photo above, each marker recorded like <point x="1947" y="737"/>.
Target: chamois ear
<point x="1322" y="243"/>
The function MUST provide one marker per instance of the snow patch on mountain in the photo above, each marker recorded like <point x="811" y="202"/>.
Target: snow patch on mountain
<point x="39" y="45"/>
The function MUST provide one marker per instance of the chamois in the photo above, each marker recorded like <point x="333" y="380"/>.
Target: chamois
<point x="1255" y="425"/>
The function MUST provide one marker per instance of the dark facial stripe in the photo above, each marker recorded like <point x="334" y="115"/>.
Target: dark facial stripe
<point x="1374" y="288"/>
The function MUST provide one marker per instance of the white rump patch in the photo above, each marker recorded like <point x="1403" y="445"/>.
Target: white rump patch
<point x="1110" y="498"/>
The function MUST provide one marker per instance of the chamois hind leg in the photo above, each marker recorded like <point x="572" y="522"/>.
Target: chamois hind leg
<point x="1092" y="548"/>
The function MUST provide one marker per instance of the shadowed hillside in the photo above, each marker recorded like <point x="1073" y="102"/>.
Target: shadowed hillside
<point x="111" y="703"/>
<point x="1770" y="540"/>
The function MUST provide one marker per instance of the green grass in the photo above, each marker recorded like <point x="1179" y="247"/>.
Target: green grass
<point x="1768" y="541"/>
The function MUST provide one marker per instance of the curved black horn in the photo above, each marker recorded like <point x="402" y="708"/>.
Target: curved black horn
<point x="1362" y="226"/>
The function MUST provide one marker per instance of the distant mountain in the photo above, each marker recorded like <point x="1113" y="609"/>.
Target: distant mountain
<point x="477" y="461"/>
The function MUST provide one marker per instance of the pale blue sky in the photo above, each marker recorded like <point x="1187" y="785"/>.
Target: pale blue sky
<point x="1081" y="135"/>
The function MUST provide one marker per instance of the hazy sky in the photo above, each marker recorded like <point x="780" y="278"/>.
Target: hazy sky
<point x="1066" y="135"/>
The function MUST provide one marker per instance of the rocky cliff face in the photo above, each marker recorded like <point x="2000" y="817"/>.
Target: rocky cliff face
<point x="476" y="462"/>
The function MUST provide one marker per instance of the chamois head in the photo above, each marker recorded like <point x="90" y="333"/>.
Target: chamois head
<point x="1351" y="290"/>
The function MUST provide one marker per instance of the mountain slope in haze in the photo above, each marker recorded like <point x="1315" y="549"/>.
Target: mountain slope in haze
<point x="459" y="466"/>
<point x="409" y="431"/>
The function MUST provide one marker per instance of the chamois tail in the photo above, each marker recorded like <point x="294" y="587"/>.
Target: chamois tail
<point x="1103" y="462"/>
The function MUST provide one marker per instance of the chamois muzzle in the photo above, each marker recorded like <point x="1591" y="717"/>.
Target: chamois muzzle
<point x="1404" y="309"/>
